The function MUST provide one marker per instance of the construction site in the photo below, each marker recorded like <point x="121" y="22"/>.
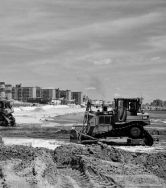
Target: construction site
<point x="54" y="146"/>
<point x="82" y="94"/>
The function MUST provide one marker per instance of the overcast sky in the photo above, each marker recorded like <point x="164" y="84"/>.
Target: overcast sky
<point x="105" y="48"/>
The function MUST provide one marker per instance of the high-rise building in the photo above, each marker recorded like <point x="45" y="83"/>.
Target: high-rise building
<point x="17" y="92"/>
<point x="2" y="90"/>
<point x="28" y="92"/>
<point x="78" y="97"/>
<point x="5" y="91"/>
<point x="8" y="91"/>
<point x="24" y="93"/>
<point x="38" y="92"/>
<point x="44" y="95"/>
<point x="49" y="93"/>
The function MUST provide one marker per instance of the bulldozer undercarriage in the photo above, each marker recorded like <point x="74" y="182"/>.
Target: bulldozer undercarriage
<point x="7" y="121"/>
<point x="137" y="137"/>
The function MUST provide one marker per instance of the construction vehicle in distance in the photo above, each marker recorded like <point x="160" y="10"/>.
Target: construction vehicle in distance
<point x="125" y="119"/>
<point x="6" y="110"/>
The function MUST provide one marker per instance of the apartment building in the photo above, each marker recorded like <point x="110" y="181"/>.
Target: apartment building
<point x="38" y="92"/>
<point x="78" y="97"/>
<point x="2" y="89"/>
<point x="43" y="95"/>
<point x="24" y="93"/>
<point x="49" y="93"/>
<point x="8" y="91"/>
<point x="5" y="91"/>
<point x="17" y="92"/>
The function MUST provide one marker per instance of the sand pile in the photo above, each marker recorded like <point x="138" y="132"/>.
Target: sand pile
<point x="77" y="166"/>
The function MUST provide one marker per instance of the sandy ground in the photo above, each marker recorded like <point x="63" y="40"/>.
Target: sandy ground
<point x="37" y="153"/>
<point x="77" y="166"/>
<point x="43" y="115"/>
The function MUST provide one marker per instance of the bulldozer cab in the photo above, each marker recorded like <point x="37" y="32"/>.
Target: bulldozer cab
<point x="125" y="107"/>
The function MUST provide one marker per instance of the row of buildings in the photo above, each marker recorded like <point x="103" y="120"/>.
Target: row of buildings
<point x="39" y="95"/>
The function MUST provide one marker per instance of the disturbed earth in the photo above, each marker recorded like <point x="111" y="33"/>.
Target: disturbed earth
<point x="77" y="166"/>
<point x="38" y="156"/>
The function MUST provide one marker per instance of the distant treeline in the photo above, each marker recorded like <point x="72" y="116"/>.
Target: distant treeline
<point x="157" y="103"/>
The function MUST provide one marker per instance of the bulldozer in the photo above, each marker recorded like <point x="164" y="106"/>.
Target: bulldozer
<point x="124" y="119"/>
<point x="6" y="110"/>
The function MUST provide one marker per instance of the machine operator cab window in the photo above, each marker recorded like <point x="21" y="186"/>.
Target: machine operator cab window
<point x="122" y="110"/>
<point x="132" y="109"/>
<point x="126" y="107"/>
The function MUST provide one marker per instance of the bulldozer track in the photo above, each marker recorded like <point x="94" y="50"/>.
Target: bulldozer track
<point x="79" y="179"/>
<point x="147" y="138"/>
<point x="101" y="179"/>
<point x="90" y="179"/>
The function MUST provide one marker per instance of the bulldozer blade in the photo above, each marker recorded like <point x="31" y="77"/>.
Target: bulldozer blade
<point x="89" y="141"/>
<point x="81" y="138"/>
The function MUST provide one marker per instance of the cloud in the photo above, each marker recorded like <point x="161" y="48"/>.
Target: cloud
<point x="106" y="61"/>
<point x="117" y="89"/>
<point x="156" y="60"/>
<point x="96" y="82"/>
<point x="157" y="42"/>
<point x="116" y="95"/>
<point x="92" y="44"/>
<point x="90" y="88"/>
<point x="113" y="27"/>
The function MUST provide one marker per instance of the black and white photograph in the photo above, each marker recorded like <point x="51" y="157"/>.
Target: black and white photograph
<point x="82" y="93"/>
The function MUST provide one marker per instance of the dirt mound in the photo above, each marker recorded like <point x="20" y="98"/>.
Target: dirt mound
<point x="154" y="162"/>
<point x="41" y="171"/>
<point x="102" y="166"/>
<point x="67" y="155"/>
<point x="83" y="163"/>
<point x="19" y="152"/>
<point x="27" y="167"/>
<point x="77" y="166"/>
